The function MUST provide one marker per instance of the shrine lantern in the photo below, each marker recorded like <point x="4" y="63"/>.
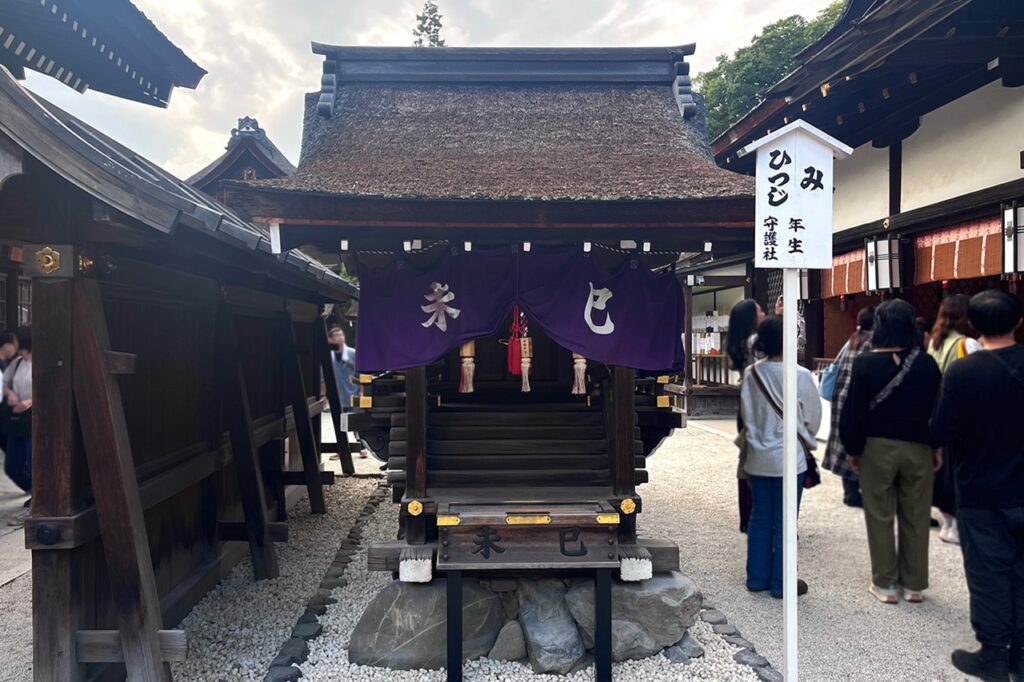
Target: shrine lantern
<point x="882" y="257"/>
<point x="1013" y="245"/>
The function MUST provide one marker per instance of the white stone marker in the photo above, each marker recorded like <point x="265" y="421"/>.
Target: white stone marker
<point x="793" y="230"/>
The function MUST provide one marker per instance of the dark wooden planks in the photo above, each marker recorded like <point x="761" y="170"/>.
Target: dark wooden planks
<point x="416" y="444"/>
<point x="506" y="447"/>
<point x="509" y="418"/>
<point x="126" y="548"/>
<point x="57" y="574"/>
<point x="621" y="418"/>
<point x="235" y="406"/>
<point x="295" y="391"/>
<point x="542" y="477"/>
<point x="434" y="432"/>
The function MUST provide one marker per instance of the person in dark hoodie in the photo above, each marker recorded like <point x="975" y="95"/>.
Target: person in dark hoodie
<point x="981" y="401"/>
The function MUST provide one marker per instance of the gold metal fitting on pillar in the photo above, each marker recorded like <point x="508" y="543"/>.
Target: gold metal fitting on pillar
<point x="415" y="508"/>
<point x="627" y="506"/>
<point x="47" y="260"/>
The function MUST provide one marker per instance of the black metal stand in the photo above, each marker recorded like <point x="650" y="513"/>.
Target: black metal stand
<point x="454" y="579"/>
<point x="602" y="625"/>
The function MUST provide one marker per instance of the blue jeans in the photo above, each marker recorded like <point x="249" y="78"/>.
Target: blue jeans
<point x="18" y="461"/>
<point x="764" y="534"/>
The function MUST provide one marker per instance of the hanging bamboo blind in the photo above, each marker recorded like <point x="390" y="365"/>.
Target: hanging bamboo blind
<point x="965" y="251"/>
<point x="846" y="277"/>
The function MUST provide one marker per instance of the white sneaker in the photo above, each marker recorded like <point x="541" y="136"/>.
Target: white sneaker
<point x="950" y="534"/>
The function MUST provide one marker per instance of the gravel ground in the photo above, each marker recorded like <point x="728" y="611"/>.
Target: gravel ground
<point x="845" y="634"/>
<point x="237" y="629"/>
<point x="328" y="659"/>
<point x="16" y="633"/>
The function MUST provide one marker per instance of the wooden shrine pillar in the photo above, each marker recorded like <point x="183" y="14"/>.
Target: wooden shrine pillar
<point x="58" y="587"/>
<point x="622" y="423"/>
<point x="333" y="398"/>
<point x="688" y="341"/>
<point x="416" y="452"/>
<point x="238" y="416"/>
<point x="134" y="597"/>
<point x="296" y="395"/>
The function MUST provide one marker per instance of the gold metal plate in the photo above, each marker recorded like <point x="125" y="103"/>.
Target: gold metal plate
<point x="366" y="378"/>
<point x="365" y="402"/>
<point x="415" y="508"/>
<point x="527" y="520"/>
<point x="447" y="520"/>
<point x="47" y="260"/>
<point x="607" y="519"/>
<point x="664" y="401"/>
<point x="663" y="379"/>
<point x="628" y="506"/>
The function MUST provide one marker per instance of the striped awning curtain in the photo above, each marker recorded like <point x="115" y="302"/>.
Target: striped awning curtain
<point x="964" y="251"/>
<point x="846" y="277"/>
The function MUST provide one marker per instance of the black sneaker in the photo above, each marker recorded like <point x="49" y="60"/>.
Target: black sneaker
<point x="801" y="589"/>
<point x="989" y="663"/>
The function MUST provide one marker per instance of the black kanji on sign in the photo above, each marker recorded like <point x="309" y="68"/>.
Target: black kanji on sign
<point x="771" y="222"/>
<point x="797" y="224"/>
<point x="771" y="238"/>
<point x="487" y="541"/>
<point x="796" y="245"/>
<point x="777" y="197"/>
<point x="779" y="158"/>
<point x="769" y="253"/>
<point x="812" y="179"/>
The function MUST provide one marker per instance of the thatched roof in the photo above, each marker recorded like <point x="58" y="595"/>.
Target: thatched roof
<point x="571" y="124"/>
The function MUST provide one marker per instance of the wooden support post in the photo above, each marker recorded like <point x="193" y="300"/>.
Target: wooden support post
<point x="272" y="464"/>
<point x="454" y="622"/>
<point x="603" y="625"/>
<point x="622" y="420"/>
<point x="334" y="400"/>
<point x="416" y="450"/>
<point x="238" y="418"/>
<point x="58" y="588"/>
<point x="136" y="604"/>
<point x="295" y="393"/>
<point x="688" y="341"/>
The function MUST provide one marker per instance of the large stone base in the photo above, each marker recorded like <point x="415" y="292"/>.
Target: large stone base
<point x="404" y="627"/>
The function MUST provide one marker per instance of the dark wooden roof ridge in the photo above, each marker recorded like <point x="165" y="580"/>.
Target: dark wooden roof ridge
<point x="854" y="46"/>
<point x="138" y="188"/>
<point x="85" y="44"/>
<point x="272" y="158"/>
<point x="525" y="53"/>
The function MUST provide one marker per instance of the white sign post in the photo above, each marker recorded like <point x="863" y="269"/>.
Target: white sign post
<point x="793" y="231"/>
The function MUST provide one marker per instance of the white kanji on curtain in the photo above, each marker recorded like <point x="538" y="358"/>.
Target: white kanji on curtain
<point x="438" y="308"/>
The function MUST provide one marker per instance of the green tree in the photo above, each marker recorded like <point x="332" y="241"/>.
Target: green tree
<point x="737" y="84"/>
<point x="428" y="27"/>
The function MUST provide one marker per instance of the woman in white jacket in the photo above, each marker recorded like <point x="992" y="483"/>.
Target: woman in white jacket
<point x="761" y="405"/>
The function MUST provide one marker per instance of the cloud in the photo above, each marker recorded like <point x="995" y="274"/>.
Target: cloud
<point x="258" y="54"/>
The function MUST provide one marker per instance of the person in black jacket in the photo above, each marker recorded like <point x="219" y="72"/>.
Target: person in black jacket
<point x="884" y="428"/>
<point x="979" y="412"/>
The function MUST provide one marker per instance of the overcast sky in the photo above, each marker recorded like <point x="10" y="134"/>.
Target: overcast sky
<point x="257" y="53"/>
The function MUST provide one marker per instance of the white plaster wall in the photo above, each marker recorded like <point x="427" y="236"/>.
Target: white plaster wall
<point x="861" y="188"/>
<point x="970" y="144"/>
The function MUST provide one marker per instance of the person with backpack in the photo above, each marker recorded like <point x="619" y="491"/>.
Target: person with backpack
<point x="949" y="342"/>
<point x="981" y="401"/>
<point x="836" y="392"/>
<point x="884" y="427"/>
<point x="761" y="408"/>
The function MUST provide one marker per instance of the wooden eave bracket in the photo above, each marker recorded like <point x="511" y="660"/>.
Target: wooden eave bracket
<point x="11" y="160"/>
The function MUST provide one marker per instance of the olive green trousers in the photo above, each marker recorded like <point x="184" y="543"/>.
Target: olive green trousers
<point x="896" y="481"/>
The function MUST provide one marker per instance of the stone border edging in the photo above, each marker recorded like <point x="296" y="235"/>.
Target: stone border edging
<point x="295" y="650"/>
<point x="747" y="655"/>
